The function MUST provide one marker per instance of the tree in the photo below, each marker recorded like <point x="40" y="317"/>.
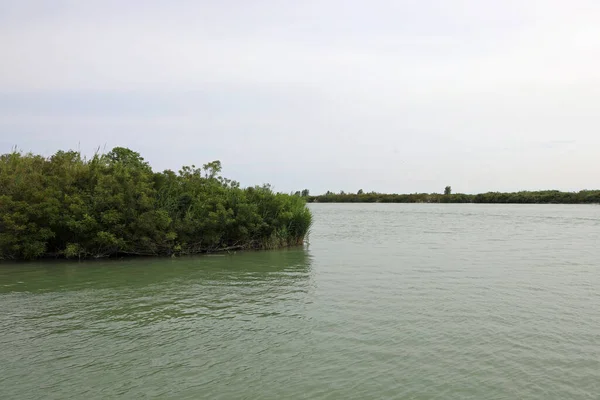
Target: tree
<point x="305" y="193"/>
<point x="360" y="191"/>
<point x="212" y="169"/>
<point x="448" y="190"/>
<point x="114" y="204"/>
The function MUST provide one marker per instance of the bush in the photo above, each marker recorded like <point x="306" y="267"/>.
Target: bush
<point x="69" y="206"/>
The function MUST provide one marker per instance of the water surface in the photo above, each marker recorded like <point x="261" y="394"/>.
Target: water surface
<point x="387" y="301"/>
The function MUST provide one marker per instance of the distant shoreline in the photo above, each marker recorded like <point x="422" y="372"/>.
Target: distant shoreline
<point x="537" y="197"/>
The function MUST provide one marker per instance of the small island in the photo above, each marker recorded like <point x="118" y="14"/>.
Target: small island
<point x="113" y="204"/>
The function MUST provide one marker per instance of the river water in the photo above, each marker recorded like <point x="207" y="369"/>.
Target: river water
<point x="387" y="301"/>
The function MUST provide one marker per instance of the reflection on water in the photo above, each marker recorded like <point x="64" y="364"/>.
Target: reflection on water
<point x="148" y="290"/>
<point x="134" y="273"/>
<point x="122" y="320"/>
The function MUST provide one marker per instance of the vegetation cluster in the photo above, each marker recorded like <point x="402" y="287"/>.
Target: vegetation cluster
<point x="114" y="204"/>
<point x="536" y="197"/>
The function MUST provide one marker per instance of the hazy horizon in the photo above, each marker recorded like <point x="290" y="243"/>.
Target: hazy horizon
<point x="396" y="97"/>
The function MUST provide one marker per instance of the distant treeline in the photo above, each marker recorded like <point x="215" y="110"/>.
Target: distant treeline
<point x="114" y="204"/>
<point x="539" y="197"/>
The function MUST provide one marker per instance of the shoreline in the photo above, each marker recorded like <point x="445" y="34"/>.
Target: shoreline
<point x="525" y="197"/>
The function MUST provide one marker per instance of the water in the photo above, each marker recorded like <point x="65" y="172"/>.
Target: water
<point x="387" y="301"/>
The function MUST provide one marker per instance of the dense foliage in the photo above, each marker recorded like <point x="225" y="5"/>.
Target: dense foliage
<point x="114" y="204"/>
<point x="542" y="197"/>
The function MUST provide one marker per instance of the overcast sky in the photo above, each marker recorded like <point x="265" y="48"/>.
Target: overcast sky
<point x="391" y="96"/>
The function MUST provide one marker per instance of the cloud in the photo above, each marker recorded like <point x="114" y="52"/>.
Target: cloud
<point x="394" y="96"/>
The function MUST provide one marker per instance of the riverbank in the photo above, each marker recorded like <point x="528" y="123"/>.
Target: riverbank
<point x="536" y="197"/>
<point x="113" y="204"/>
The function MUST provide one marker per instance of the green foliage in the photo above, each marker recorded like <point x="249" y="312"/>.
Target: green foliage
<point x="69" y="206"/>
<point x="541" y="197"/>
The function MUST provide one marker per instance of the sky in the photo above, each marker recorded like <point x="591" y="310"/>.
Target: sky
<point x="395" y="96"/>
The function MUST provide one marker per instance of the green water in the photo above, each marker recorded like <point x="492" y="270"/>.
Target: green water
<point x="386" y="302"/>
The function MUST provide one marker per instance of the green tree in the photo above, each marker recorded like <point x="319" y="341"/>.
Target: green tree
<point x="448" y="190"/>
<point x="114" y="204"/>
<point x="545" y="197"/>
<point x="212" y="169"/>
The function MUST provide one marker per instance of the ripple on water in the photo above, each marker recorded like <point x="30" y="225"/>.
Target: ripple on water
<point x="388" y="301"/>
